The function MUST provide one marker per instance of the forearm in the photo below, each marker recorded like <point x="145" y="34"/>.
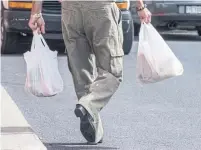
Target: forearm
<point x="37" y="6"/>
<point x="139" y="3"/>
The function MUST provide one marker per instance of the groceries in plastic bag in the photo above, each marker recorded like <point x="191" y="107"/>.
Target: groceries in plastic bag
<point x="43" y="77"/>
<point x="155" y="60"/>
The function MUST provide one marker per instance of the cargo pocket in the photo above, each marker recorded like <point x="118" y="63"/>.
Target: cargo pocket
<point x="116" y="64"/>
<point x="116" y="60"/>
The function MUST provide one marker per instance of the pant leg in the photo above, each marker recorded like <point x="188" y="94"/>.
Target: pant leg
<point x="104" y="32"/>
<point x="92" y="28"/>
<point x="81" y="34"/>
<point x="81" y="59"/>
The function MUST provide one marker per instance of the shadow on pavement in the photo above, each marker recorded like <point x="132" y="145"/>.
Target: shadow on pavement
<point x="180" y="37"/>
<point x="75" y="146"/>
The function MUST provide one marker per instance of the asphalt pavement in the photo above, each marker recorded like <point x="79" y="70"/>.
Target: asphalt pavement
<point x="161" y="116"/>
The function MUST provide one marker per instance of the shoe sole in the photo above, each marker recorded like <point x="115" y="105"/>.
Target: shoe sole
<point x="93" y="143"/>
<point x="86" y="127"/>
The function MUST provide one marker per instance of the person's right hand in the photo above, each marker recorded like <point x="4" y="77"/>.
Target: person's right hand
<point x="37" y="24"/>
<point x="145" y="15"/>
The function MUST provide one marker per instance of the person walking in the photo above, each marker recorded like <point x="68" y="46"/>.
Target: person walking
<point x="92" y="33"/>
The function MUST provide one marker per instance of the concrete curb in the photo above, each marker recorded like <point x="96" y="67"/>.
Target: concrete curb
<point x="16" y="133"/>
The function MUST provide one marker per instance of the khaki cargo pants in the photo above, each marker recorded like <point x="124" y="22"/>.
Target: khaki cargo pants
<point x="93" y="37"/>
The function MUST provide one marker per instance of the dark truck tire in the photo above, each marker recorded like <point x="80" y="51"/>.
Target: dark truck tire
<point x="136" y="29"/>
<point x="8" y="40"/>
<point x="8" y="43"/>
<point x="128" y="40"/>
<point x="199" y="31"/>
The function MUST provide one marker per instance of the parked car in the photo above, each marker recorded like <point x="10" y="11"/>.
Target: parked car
<point x="15" y="16"/>
<point x="172" y="15"/>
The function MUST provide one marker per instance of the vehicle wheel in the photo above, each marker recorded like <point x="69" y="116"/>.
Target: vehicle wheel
<point x="136" y="29"/>
<point x="8" y="40"/>
<point x="128" y="40"/>
<point x="199" y="31"/>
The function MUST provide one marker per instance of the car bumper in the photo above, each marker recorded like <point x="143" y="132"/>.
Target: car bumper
<point x="181" y="20"/>
<point x="17" y="21"/>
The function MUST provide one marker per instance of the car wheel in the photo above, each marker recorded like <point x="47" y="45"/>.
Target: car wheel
<point x="136" y="29"/>
<point x="128" y="40"/>
<point x="8" y="40"/>
<point x="199" y="31"/>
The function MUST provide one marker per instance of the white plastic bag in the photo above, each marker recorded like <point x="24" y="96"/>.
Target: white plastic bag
<point x="155" y="60"/>
<point x="43" y="77"/>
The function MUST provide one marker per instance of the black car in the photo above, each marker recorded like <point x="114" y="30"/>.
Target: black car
<point x="15" y="16"/>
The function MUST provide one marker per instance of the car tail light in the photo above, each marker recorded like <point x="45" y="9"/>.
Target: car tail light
<point x="123" y="4"/>
<point x="19" y="5"/>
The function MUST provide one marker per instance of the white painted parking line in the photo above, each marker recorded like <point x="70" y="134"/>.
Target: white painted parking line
<point x="16" y="133"/>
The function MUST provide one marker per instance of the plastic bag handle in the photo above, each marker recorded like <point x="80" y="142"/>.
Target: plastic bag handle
<point x="143" y="29"/>
<point x="38" y="38"/>
<point x="43" y="41"/>
<point x="33" y="44"/>
<point x="142" y="32"/>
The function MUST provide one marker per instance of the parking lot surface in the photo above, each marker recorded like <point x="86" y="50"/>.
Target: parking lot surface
<point x="161" y="116"/>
